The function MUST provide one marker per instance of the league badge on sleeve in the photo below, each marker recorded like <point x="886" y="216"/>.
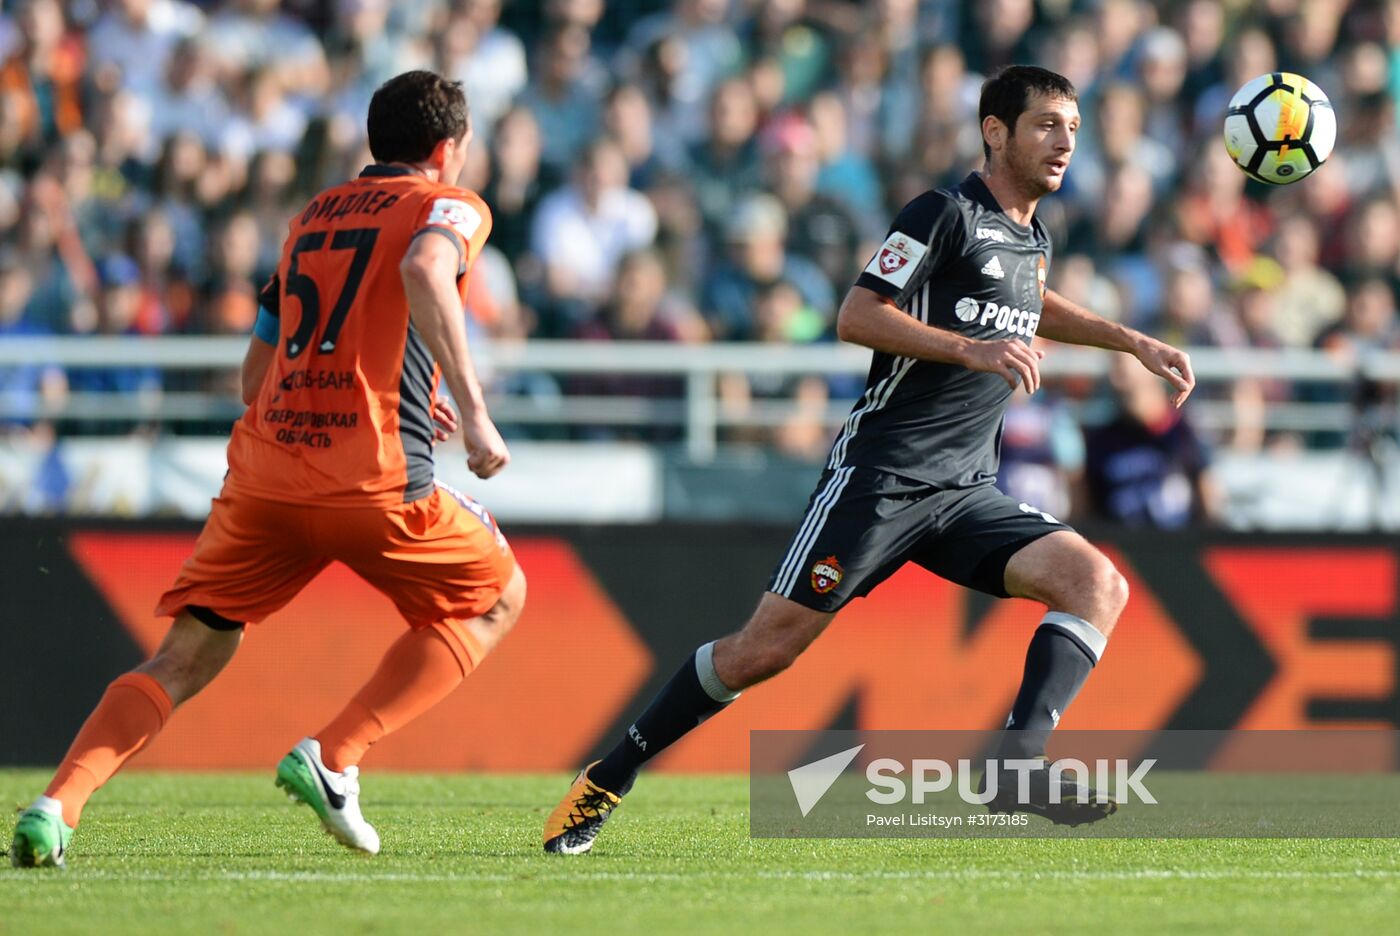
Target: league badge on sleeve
<point x="826" y="575"/>
<point x="1040" y="276"/>
<point x="456" y="214"/>
<point x="897" y="259"/>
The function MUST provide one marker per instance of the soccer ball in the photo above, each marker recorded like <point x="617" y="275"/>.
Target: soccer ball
<point x="1280" y="127"/>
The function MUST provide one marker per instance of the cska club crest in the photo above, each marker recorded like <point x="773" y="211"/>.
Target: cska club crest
<point x="826" y="575"/>
<point x="1040" y="276"/>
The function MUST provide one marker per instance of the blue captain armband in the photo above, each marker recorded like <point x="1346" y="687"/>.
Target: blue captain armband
<point x="266" y="327"/>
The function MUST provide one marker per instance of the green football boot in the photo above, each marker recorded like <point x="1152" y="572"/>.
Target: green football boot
<point x="41" y="838"/>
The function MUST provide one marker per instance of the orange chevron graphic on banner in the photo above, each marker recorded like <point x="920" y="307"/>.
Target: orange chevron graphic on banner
<point x="1278" y="592"/>
<point x="903" y="657"/>
<point x="299" y="667"/>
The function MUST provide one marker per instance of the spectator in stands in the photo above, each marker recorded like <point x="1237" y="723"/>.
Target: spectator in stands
<point x="255" y="34"/>
<point x="781" y="31"/>
<point x="1189" y="312"/>
<point x="997" y="33"/>
<point x="895" y="26"/>
<point x="1213" y="212"/>
<point x="44" y="74"/>
<point x="1310" y="298"/>
<point x="639" y="309"/>
<point x="1073" y="51"/>
<point x="137" y="38"/>
<point x="167" y="298"/>
<point x="946" y="130"/>
<point x="820" y="228"/>
<point x="845" y="174"/>
<point x="262" y="119"/>
<point x="1119" y="140"/>
<point x="175" y="186"/>
<point x="1042" y="453"/>
<point x="1368" y="324"/>
<point x="52" y="250"/>
<point x="582" y="230"/>
<point x="1249" y="54"/>
<point x="1201" y="24"/>
<point x="1162" y="66"/>
<point x="564" y="95"/>
<point x="29" y="389"/>
<point x="1372" y="240"/>
<point x="518" y="182"/>
<point x="878" y="118"/>
<point x="488" y="59"/>
<point x="1367" y="142"/>
<point x="781" y="317"/>
<point x="230" y="303"/>
<point x="757" y="258"/>
<point x="1147" y="467"/>
<point x="703" y="49"/>
<point x="118" y="303"/>
<point x="726" y="166"/>
<point x="1118" y="24"/>
<point x="627" y="119"/>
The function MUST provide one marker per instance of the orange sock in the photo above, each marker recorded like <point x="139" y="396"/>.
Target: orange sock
<point x="132" y="712"/>
<point x="417" y="672"/>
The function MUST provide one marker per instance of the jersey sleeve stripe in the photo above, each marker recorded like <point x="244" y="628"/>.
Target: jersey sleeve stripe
<point x="880" y="394"/>
<point x="453" y="237"/>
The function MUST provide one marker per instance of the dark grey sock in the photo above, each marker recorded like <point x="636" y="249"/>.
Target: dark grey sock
<point x="693" y="695"/>
<point x="1062" y="653"/>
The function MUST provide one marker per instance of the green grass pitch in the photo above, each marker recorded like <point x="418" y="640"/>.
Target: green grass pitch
<point x="227" y="854"/>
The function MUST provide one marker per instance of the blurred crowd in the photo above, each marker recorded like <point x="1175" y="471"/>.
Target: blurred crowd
<point x="700" y="170"/>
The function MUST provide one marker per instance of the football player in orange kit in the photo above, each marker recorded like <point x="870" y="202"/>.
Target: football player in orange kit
<point x="333" y="462"/>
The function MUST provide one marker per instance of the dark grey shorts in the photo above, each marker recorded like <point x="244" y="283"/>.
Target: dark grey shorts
<point x="861" y="525"/>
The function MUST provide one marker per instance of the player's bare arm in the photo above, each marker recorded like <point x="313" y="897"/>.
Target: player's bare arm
<point x="869" y="319"/>
<point x="1062" y="320"/>
<point x="429" y="271"/>
<point x="256" y="361"/>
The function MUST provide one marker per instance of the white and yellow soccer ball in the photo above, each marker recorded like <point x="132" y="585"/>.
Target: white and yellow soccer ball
<point x="1280" y="127"/>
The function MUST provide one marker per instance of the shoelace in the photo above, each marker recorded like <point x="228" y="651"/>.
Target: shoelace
<point x="591" y="805"/>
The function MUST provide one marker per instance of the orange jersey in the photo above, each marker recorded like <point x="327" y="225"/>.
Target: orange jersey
<point x="344" y="414"/>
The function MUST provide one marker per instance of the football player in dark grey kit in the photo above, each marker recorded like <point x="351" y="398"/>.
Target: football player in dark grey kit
<point x="950" y="304"/>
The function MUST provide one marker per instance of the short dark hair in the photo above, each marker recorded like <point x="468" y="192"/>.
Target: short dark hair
<point x="1007" y="94"/>
<point x="413" y="112"/>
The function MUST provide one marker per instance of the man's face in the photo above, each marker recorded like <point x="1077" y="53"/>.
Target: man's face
<point x="1039" y="150"/>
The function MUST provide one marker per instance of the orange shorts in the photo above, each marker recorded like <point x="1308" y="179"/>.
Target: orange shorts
<point x="439" y="559"/>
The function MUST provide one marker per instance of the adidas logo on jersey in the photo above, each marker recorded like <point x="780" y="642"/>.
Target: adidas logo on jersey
<point x="993" y="268"/>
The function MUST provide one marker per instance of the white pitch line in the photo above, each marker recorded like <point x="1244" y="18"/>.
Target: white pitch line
<point x="966" y="874"/>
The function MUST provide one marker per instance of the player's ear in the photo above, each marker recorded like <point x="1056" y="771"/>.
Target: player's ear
<point x="443" y="152"/>
<point x="994" y="132"/>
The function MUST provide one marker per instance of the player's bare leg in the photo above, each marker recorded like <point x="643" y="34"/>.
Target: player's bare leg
<point x="1084" y="595"/>
<point x="419" y="670"/>
<point x="712" y="677"/>
<point x="130" y="714"/>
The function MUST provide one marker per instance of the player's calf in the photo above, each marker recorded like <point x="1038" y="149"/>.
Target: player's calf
<point x="1084" y="595"/>
<point x="709" y="680"/>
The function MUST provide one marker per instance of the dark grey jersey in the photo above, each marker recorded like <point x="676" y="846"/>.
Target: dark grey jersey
<point x="953" y="259"/>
